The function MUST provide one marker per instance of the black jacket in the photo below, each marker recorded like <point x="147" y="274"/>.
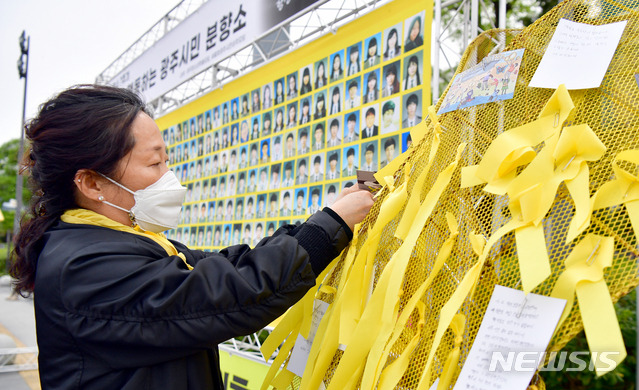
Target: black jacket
<point x="113" y="311"/>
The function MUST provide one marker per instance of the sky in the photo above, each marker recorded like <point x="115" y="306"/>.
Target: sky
<point x="72" y="42"/>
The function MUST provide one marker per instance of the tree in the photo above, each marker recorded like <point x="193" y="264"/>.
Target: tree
<point x="8" y="175"/>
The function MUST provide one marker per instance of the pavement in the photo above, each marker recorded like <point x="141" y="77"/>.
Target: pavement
<point x="17" y="321"/>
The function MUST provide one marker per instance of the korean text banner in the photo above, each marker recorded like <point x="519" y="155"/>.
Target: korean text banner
<point x="278" y="144"/>
<point x="205" y="37"/>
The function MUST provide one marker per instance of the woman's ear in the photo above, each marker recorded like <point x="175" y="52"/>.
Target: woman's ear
<point x="89" y="184"/>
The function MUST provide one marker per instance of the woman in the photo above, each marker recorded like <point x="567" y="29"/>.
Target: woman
<point x="414" y="38"/>
<point x="267" y="101"/>
<point x="292" y="116"/>
<point x="320" y="78"/>
<point x="225" y="114"/>
<point x="320" y="109"/>
<point x="235" y="134"/>
<point x="256" y="101"/>
<point x="279" y="121"/>
<point x="279" y="92"/>
<point x="117" y="305"/>
<point x="255" y="133"/>
<point x="266" y="124"/>
<point x="371" y="88"/>
<point x="412" y="78"/>
<point x="337" y="73"/>
<point x="336" y="103"/>
<point x="392" y="45"/>
<point x="292" y="87"/>
<point x="245" y="106"/>
<point x="306" y="82"/>
<point x="235" y="115"/>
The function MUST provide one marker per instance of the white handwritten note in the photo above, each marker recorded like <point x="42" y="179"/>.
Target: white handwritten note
<point x="510" y="342"/>
<point x="578" y="55"/>
<point x="302" y="347"/>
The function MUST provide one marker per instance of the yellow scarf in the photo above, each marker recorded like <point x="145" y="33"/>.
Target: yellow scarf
<point x="88" y="217"/>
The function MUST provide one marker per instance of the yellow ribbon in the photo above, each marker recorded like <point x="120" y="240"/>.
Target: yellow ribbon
<point x="532" y="192"/>
<point x="514" y="148"/>
<point x="296" y="320"/>
<point x="623" y="190"/>
<point x="377" y="358"/>
<point x="88" y="217"/>
<point x="450" y="308"/>
<point x="584" y="277"/>
<point x="457" y="325"/>
<point x="377" y="320"/>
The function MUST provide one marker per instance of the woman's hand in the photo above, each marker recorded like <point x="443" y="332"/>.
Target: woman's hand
<point x="352" y="205"/>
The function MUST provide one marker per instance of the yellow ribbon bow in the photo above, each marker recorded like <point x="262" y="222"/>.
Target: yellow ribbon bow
<point x="584" y="277"/>
<point x="623" y="190"/>
<point x="532" y="192"/>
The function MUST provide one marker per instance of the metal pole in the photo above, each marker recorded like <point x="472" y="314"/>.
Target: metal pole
<point x="437" y="28"/>
<point x="502" y="14"/>
<point x="16" y="219"/>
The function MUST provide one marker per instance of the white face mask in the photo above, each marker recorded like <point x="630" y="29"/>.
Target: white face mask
<point x="157" y="207"/>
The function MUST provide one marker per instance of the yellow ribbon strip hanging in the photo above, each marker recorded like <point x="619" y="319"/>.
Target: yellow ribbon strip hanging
<point x="395" y="370"/>
<point x="292" y="322"/>
<point x="584" y="277"/>
<point x="348" y="303"/>
<point x="377" y="358"/>
<point x="355" y="292"/>
<point x="450" y="308"/>
<point x="624" y="189"/>
<point x="457" y="325"/>
<point x="377" y="320"/>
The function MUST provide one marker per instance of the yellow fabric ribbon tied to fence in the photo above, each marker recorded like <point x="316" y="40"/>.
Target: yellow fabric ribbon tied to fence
<point x="563" y="158"/>
<point x="584" y="277"/>
<point x="623" y="190"/>
<point x="377" y="320"/>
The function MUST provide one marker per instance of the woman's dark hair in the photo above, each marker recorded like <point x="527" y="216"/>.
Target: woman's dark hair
<point x="84" y="127"/>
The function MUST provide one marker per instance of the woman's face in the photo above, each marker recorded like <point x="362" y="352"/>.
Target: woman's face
<point x="279" y="117"/>
<point x="414" y="31"/>
<point x="412" y="68"/>
<point x="371" y="83"/>
<point x="320" y="104"/>
<point x="278" y="87"/>
<point x="337" y="63"/>
<point x="390" y="79"/>
<point x="306" y="79"/>
<point x="335" y="97"/>
<point x="142" y="166"/>
<point x="392" y="39"/>
<point x="291" y="84"/>
<point x="320" y="70"/>
<point x="372" y="50"/>
<point x="267" y="93"/>
<point x="291" y="113"/>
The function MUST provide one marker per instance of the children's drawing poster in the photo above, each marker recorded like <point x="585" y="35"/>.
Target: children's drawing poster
<point x="491" y="80"/>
